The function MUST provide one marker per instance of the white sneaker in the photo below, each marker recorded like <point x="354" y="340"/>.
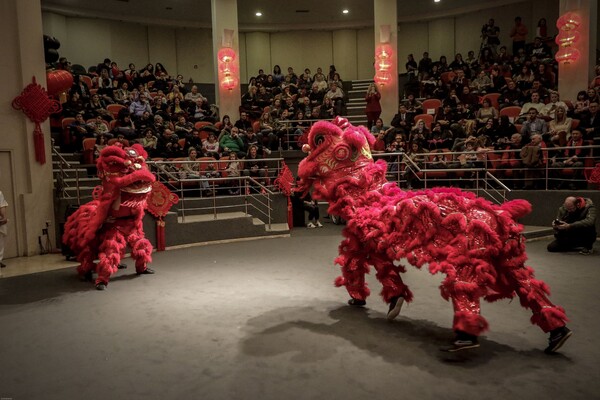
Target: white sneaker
<point x="310" y="225"/>
<point x="319" y="224"/>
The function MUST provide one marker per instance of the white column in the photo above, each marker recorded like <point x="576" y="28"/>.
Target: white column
<point x="576" y="76"/>
<point x="385" y="13"/>
<point x="224" y="16"/>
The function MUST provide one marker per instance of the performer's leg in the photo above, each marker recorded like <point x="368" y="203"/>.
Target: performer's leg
<point x="549" y="317"/>
<point x="141" y="251"/>
<point x="394" y="291"/>
<point x="465" y="294"/>
<point x="354" y="268"/>
<point x="86" y="265"/>
<point x="109" y="257"/>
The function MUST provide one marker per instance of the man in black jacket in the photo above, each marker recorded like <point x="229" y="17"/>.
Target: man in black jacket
<point x="575" y="226"/>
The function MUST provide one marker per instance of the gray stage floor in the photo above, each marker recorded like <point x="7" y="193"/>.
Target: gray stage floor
<point x="262" y="320"/>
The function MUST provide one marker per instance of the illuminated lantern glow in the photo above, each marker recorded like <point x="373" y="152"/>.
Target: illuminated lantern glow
<point x="570" y="21"/>
<point x="567" y="38"/>
<point x="227" y="68"/>
<point x="567" y="55"/>
<point x="384" y="51"/>
<point x="383" y="78"/>
<point x="229" y="82"/>
<point x="226" y="55"/>
<point x="384" y="65"/>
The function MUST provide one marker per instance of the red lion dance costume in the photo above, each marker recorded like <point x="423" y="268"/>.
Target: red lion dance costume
<point x="102" y="228"/>
<point x="476" y="244"/>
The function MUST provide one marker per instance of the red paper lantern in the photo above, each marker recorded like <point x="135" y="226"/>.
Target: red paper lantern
<point x="567" y="38"/>
<point x="382" y="78"/>
<point x="567" y="55"/>
<point x="226" y="55"/>
<point x="384" y="51"/>
<point x="229" y="82"/>
<point x="227" y="68"/>
<point x="58" y="81"/>
<point x="383" y="65"/>
<point x="570" y="21"/>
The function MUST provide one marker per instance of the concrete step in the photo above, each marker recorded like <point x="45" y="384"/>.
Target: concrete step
<point x="69" y="173"/>
<point x="359" y="81"/>
<point x="56" y="163"/>
<point x="536" y="232"/>
<point x="83" y="181"/>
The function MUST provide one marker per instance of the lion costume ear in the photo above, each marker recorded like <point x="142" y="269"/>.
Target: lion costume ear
<point x="140" y="150"/>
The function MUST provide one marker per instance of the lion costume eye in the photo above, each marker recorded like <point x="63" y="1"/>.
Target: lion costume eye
<point x="319" y="139"/>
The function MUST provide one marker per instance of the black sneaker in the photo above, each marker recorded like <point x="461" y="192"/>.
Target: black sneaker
<point x="87" y="277"/>
<point x="356" y="302"/>
<point x="101" y="286"/>
<point x="586" y="252"/>
<point x="147" y="271"/>
<point x="122" y="266"/>
<point x="395" y="307"/>
<point x="558" y="337"/>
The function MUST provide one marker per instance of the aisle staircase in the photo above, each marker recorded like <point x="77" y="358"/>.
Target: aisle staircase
<point x="356" y="103"/>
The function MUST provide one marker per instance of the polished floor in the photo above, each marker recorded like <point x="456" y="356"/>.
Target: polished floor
<point x="262" y="320"/>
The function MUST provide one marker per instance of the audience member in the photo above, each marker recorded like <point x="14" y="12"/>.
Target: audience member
<point x="575" y="226"/>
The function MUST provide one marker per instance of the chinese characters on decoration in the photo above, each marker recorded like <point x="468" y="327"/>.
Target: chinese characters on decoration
<point x="568" y="25"/>
<point x="227" y="68"/>
<point x="383" y="64"/>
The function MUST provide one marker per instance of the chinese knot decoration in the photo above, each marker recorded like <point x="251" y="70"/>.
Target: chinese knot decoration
<point x="38" y="106"/>
<point x="383" y="64"/>
<point x="227" y="68"/>
<point x="160" y="202"/>
<point x="568" y="36"/>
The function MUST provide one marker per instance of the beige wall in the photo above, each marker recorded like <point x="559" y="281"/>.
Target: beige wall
<point x="365" y="43"/>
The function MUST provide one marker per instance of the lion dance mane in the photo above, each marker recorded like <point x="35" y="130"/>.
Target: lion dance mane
<point x="476" y="244"/>
<point x="102" y="228"/>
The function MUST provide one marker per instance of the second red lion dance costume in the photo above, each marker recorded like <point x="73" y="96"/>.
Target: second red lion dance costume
<point x="476" y="244"/>
<point x="102" y="228"/>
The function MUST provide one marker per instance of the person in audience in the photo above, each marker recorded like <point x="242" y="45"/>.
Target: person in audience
<point x="336" y="95"/>
<point x="573" y="157"/>
<point x="560" y="127"/>
<point x="263" y="98"/>
<point x="498" y="80"/>
<point x="481" y="84"/>
<point x="97" y="107"/>
<point x="232" y="142"/>
<point x="574" y="226"/>
<point x="327" y="109"/>
<point x="277" y="75"/>
<point x="122" y="94"/>
<point x="99" y="127"/>
<point x="533" y="103"/>
<point x="175" y="108"/>
<point x="518" y="34"/>
<point x="226" y="122"/>
<point x="402" y="121"/>
<point x="490" y="33"/>
<point x="413" y="105"/>
<point x="581" y="105"/>
<point x="179" y="83"/>
<point x="79" y="130"/>
<point x="419" y="133"/>
<point x="548" y="111"/>
<point x="255" y="166"/>
<point x="183" y="128"/>
<point x="139" y="106"/>
<point x="211" y="147"/>
<point x="590" y="123"/>
<point x="378" y="127"/>
<point x="267" y="128"/>
<point x="486" y="112"/>
<point x="511" y="158"/>
<point x="534" y="160"/>
<point x="160" y="124"/>
<point x="511" y="96"/>
<point x="533" y="125"/>
<point x="311" y="206"/>
<point x="233" y="170"/>
<point x="147" y="74"/>
<point x="424" y="66"/>
<point x="541" y="51"/>
<point x="80" y="87"/>
<point x="411" y="67"/>
<point x="168" y="144"/>
<point x="74" y="105"/>
<point x="149" y="141"/>
<point x="194" y="94"/>
<point x="379" y="145"/>
<point x="243" y="124"/>
<point x="331" y="74"/>
<point x="373" y="108"/>
<point x="417" y="157"/>
<point x="524" y="79"/>
<point x="101" y="143"/>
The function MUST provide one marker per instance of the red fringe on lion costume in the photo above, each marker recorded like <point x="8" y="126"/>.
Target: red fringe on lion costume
<point x="476" y="244"/>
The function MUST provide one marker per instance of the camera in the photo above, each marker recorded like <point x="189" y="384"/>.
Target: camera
<point x="556" y="222"/>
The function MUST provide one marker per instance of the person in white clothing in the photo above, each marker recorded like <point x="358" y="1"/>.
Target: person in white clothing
<point x="3" y="227"/>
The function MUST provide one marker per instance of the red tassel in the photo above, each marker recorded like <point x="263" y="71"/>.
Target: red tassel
<point x="160" y="235"/>
<point x="38" y="142"/>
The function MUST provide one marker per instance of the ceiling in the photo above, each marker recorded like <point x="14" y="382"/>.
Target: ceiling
<point x="277" y="14"/>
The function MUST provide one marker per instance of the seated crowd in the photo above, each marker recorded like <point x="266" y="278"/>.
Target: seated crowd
<point x="497" y="102"/>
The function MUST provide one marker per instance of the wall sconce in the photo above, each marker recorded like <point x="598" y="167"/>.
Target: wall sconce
<point x="383" y="64"/>
<point x="228" y="71"/>
<point x="569" y="35"/>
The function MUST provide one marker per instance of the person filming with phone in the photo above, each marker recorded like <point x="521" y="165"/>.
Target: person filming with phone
<point x="574" y="226"/>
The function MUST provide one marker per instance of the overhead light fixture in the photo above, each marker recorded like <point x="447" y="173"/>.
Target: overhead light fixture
<point x="345" y="11"/>
<point x="258" y="14"/>
<point x="436" y="1"/>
